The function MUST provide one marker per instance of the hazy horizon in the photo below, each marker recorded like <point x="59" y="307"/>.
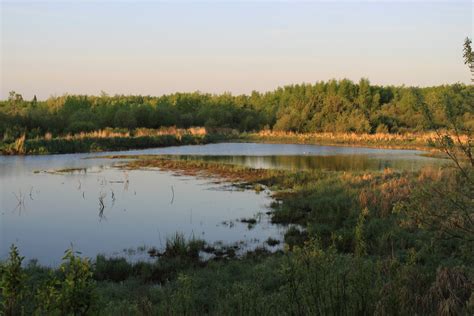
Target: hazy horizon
<point x="155" y="48"/>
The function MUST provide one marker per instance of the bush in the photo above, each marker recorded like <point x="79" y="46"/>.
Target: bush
<point x="112" y="269"/>
<point x="382" y="129"/>
<point x="295" y="237"/>
<point x="70" y="290"/>
<point x="12" y="283"/>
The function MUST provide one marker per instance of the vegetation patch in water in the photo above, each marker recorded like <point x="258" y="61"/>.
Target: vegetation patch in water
<point x="66" y="170"/>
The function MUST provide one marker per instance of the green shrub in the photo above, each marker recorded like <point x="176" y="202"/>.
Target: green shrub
<point x="12" y="283"/>
<point x="77" y="285"/>
<point x="70" y="290"/>
<point x="295" y="237"/>
<point x="112" y="269"/>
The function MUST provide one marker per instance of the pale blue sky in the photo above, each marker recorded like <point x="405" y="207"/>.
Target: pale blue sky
<point x="125" y="47"/>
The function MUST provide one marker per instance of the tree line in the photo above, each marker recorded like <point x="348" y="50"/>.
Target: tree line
<point x="332" y="106"/>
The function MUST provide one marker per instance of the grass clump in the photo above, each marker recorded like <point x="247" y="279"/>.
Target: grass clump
<point x="252" y="221"/>
<point x="272" y="241"/>
<point x="178" y="246"/>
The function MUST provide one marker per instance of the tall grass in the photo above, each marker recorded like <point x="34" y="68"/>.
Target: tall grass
<point x="139" y="132"/>
<point x="113" y="139"/>
<point x="89" y="143"/>
<point x="387" y="140"/>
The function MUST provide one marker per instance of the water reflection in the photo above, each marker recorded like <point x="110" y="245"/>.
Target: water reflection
<point x="307" y="162"/>
<point x="108" y="211"/>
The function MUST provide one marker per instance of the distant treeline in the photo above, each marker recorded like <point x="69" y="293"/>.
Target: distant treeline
<point x="333" y="106"/>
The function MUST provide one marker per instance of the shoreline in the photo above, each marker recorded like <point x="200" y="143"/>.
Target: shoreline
<point x="408" y="141"/>
<point x="88" y="144"/>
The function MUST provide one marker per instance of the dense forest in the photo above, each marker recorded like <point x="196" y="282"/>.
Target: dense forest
<point x="333" y="106"/>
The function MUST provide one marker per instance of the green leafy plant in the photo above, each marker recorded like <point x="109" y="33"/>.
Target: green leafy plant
<point x="77" y="285"/>
<point x="12" y="283"/>
<point x="68" y="291"/>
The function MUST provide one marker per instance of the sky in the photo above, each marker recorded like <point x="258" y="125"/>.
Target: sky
<point x="160" y="47"/>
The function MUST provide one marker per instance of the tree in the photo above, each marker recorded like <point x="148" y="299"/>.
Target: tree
<point x="446" y="205"/>
<point x="468" y="55"/>
<point x="364" y="98"/>
<point x="124" y="118"/>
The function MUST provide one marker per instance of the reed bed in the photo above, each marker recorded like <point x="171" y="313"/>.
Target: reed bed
<point x="110" y="140"/>
<point x="379" y="140"/>
<point x="97" y="144"/>
<point x="139" y="132"/>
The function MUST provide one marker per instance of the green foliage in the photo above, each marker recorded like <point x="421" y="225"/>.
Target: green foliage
<point x="124" y="118"/>
<point x="67" y="291"/>
<point x="295" y="237"/>
<point x="333" y="106"/>
<point x="95" y="144"/>
<point x="76" y="292"/>
<point x="323" y="282"/>
<point x="359" y="239"/>
<point x="12" y="283"/>
<point x="178" y="247"/>
<point x="468" y="55"/>
<point x="112" y="269"/>
<point x="382" y="128"/>
<point x="446" y="205"/>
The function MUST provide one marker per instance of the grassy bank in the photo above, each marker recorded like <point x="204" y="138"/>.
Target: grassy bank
<point x="122" y="139"/>
<point x="406" y="140"/>
<point x="367" y="243"/>
<point x="83" y="144"/>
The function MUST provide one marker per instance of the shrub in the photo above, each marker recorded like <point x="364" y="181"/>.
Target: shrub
<point x="70" y="290"/>
<point x="295" y="237"/>
<point x="382" y="129"/>
<point x="112" y="269"/>
<point x="12" y="283"/>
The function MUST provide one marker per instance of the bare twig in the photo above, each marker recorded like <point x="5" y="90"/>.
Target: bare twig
<point x="172" y="197"/>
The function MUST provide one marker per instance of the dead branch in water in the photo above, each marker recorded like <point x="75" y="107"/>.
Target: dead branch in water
<point x="21" y="201"/>
<point x="172" y="197"/>
<point x="101" y="205"/>
<point x="125" y="187"/>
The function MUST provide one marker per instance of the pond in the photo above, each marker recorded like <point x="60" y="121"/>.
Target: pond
<point x="45" y="213"/>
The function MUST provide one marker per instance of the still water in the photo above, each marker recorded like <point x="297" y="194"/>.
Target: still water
<point x="45" y="213"/>
<point x="301" y="157"/>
